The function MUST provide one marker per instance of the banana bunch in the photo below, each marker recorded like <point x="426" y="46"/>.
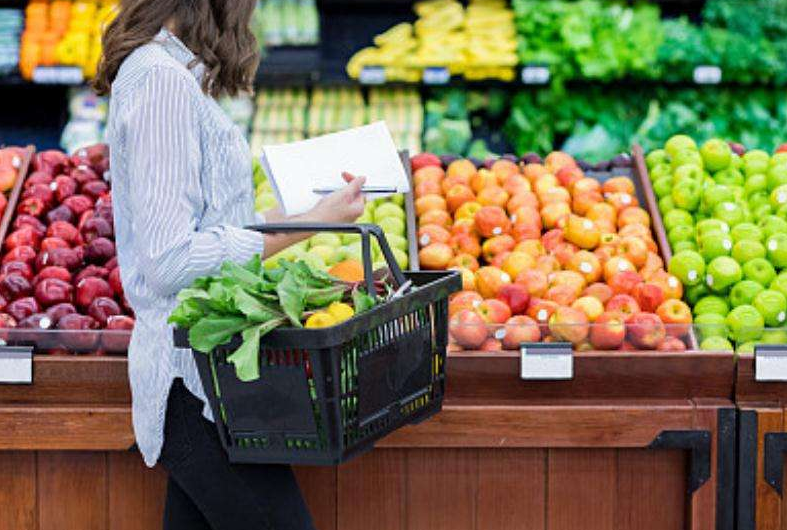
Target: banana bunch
<point x="478" y="42"/>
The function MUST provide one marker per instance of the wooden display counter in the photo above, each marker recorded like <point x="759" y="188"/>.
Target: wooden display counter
<point x="762" y="443"/>
<point x="634" y="440"/>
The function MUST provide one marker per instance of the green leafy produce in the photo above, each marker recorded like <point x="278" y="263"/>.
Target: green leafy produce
<point x="253" y="300"/>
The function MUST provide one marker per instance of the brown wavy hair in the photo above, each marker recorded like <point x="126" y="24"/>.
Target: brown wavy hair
<point x="216" y="31"/>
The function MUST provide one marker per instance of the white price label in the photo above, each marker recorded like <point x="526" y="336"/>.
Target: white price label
<point x="546" y="362"/>
<point x="436" y="75"/>
<point x="372" y="75"/>
<point x="16" y="365"/>
<point x="770" y="363"/>
<point x="535" y="75"/>
<point x="58" y="75"/>
<point x="707" y="75"/>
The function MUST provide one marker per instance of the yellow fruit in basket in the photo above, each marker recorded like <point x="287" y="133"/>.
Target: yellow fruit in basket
<point x="341" y="311"/>
<point x="320" y="319"/>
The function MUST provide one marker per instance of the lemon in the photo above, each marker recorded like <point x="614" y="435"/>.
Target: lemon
<point x="341" y="311"/>
<point x="321" y="319"/>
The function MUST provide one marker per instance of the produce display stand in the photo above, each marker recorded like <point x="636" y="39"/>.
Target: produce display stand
<point x="762" y="443"/>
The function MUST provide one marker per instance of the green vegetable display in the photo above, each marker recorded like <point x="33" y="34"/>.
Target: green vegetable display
<point x="253" y="300"/>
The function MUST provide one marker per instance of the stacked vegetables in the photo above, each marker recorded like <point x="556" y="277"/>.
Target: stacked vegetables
<point x="64" y="32"/>
<point x="725" y="210"/>
<point x="478" y="42"/>
<point x="59" y="269"/>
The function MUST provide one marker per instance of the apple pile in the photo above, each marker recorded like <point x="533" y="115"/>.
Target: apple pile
<point x="11" y="159"/>
<point x="58" y="268"/>
<point x="545" y="253"/>
<point x="725" y="212"/>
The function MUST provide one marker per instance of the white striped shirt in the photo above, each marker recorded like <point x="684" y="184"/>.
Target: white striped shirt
<point x="182" y="188"/>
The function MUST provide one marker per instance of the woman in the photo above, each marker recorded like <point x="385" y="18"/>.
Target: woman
<point x="182" y="190"/>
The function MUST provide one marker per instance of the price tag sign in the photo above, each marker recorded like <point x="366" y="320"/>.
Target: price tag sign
<point x="58" y="75"/>
<point x="707" y="75"/>
<point x="770" y="363"/>
<point x="372" y="75"/>
<point x="436" y="75"/>
<point x="546" y="361"/>
<point x="535" y="75"/>
<point x="16" y="365"/>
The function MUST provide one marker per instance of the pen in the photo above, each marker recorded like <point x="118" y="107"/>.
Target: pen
<point x="365" y="189"/>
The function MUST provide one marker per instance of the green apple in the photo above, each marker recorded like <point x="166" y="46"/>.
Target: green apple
<point x="743" y="292"/>
<point x="711" y="304"/>
<point x="314" y="261"/>
<point x="696" y="292"/>
<point x="656" y="157"/>
<point x="759" y="270"/>
<point x="716" y="344"/>
<point x="772" y="224"/>
<point x="660" y="171"/>
<point x="738" y="193"/>
<point x="663" y="187"/>
<point x="755" y="161"/>
<point x="326" y="252"/>
<point x="684" y="245"/>
<point x="688" y="266"/>
<point x="686" y="194"/>
<point x="401" y="258"/>
<point x="396" y="241"/>
<point x="326" y="238"/>
<point x="716" y="194"/>
<point x="777" y="250"/>
<point x="716" y="154"/>
<point x="755" y="183"/>
<point x="677" y="217"/>
<point x="352" y="251"/>
<point x="746" y="347"/>
<point x="746" y="250"/>
<point x="714" y="245"/>
<point x="679" y="142"/>
<point x="757" y="199"/>
<point x="778" y="159"/>
<point x="691" y="172"/>
<point x="736" y="161"/>
<point x="387" y="210"/>
<point x="772" y="305"/>
<point x="265" y="202"/>
<point x="681" y="233"/>
<point x="711" y="325"/>
<point x="773" y="336"/>
<point x="366" y="218"/>
<point x="392" y="225"/>
<point x="722" y="273"/>
<point x="777" y="176"/>
<point x="666" y="204"/>
<point x="730" y="213"/>
<point x="745" y="323"/>
<point x="778" y="197"/>
<point x="348" y="239"/>
<point x="700" y="216"/>
<point x="709" y="226"/>
<point x="684" y="158"/>
<point x="397" y="199"/>
<point x="779" y="283"/>
<point x="380" y="264"/>
<point x="729" y="177"/>
<point x="746" y="231"/>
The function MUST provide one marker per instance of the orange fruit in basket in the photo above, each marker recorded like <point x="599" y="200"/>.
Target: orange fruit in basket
<point x="348" y="270"/>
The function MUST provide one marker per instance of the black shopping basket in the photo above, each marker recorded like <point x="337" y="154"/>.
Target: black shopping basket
<point x="326" y="395"/>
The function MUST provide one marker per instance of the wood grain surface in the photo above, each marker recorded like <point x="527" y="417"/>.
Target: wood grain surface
<point x="18" y="491"/>
<point x="72" y="491"/>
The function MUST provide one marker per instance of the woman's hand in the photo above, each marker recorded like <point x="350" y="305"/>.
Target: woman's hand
<point x="341" y="206"/>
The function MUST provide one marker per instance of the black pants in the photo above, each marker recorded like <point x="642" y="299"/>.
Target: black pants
<point x="206" y="492"/>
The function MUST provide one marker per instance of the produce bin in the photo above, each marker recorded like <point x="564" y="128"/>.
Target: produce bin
<point x="762" y="443"/>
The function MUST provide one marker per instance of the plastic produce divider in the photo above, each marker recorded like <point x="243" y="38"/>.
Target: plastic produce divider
<point x="656" y="221"/>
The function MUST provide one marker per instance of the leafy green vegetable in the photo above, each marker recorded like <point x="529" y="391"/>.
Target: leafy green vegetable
<point x="251" y="300"/>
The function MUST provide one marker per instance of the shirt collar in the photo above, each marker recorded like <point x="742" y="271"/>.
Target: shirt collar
<point x="180" y="52"/>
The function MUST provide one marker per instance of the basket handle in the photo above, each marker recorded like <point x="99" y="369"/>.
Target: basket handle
<point x="365" y="230"/>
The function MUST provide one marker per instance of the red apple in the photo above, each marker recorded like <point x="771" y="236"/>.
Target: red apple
<point x="671" y="344"/>
<point x="608" y="331"/>
<point x="623" y="304"/>
<point x="520" y="329"/>
<point x="676" y="315"/>
<point x="468" y="329"/>
<point x="493" y="311"/>
<point x="646" y="330"/>
<point x="649" y="296"/>
<point x="516" y="296"/>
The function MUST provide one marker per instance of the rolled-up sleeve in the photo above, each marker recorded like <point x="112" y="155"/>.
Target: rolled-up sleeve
<point x="165" y="162"/>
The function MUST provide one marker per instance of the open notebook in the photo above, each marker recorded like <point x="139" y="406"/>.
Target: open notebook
<point x="297" y="169"/>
